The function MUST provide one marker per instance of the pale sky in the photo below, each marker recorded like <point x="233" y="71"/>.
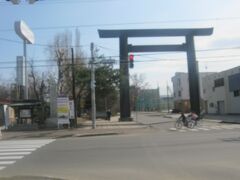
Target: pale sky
<point x="91" y="15"/>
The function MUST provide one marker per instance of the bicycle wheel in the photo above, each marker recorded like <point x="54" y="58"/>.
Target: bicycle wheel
<point x="178" y="124"/>
<point x="191" y="124"/>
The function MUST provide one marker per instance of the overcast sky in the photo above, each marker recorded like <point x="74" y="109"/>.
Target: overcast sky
<point x="91" y="15"/>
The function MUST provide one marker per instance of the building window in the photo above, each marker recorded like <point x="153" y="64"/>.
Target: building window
<point x="174" y="94"/>
<point x="179" y="82"/>
<point x="219" y="82"/>
<point x="179" y="93"/>
<point x="211" y="105"/>
<point x="236" y="93"/>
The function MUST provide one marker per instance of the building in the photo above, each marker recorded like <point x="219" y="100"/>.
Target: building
<point x="166" y="103"/>
<point x="148" y="100"/>
<point x="181" y="90"/>
<point x="221" y="92"/>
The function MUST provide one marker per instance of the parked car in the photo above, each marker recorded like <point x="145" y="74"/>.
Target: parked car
<point x="175" y="111"/>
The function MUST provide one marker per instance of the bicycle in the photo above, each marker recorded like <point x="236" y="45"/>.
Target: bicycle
<point x="184" y="121"/>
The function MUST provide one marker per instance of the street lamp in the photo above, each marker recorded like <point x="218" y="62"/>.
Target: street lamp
<point x="18" y="1"/>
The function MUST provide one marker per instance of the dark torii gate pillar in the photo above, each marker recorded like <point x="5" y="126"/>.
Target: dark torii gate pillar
<point x="123" y="35"/>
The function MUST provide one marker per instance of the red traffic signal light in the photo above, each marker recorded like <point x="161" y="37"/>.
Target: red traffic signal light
<point x="131" y="59"/>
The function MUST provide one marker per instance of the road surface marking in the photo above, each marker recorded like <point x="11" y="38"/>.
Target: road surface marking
<point x="2" y="167"/>
<point x="215" y="127"/>
<point x="173" y="129"/>
<point x="14" y="153"/>
<point x="13" y="150"/>
<point x="182" y="130"/>
<point x="16" y="150"/>
<point x="10" y="157"/>
<point x="193" y="130"/>
<point x="204" y="129"/>
<point x="6" y="162"/>
<point x="228" y="127"/>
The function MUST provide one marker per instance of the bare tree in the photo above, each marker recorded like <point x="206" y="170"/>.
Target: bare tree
<point x="137" y="83"/>
<point x="37" y="84"/>
<point x="60" y="51"/>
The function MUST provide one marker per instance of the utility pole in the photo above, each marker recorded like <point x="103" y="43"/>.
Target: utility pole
<point x="73" y="90"/>
<point x="167" y="99"/>
<point x="93" y="88"/>
<point x="26" y="70"/>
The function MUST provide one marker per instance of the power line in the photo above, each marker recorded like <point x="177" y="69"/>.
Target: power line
<point x="109" y="57"/>
<point x="37" y="44"/>
<point x="52" y="2"/>
<point x="131" y="23"/>
<point x="136" y="61"/>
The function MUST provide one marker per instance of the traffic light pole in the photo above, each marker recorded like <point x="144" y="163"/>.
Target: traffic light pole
<point x="73" y="89"/>
<point x="93" y="100"/>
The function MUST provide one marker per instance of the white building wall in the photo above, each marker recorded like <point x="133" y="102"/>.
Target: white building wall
<point x="184" y="85"/>
<point x="180" y="84"/>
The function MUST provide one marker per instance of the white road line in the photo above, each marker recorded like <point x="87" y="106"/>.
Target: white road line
<point x="6" y="162"/>
<point x="227" y="127"/>
<point x="204" y="129"/>
<point x="193" y="130"/>
<point x="28" y="141"/>
<point x="182" y="130"/>
<point x="19" y="146"/>
<point x="2" y="167"/>
<point x="16" y="150"/>
<point x="14" y="153"/>
<point x="215" y="127"/>
<point x="172" y="129"/>
<point x="24" y="143"/>
<point x="10" y="157"/>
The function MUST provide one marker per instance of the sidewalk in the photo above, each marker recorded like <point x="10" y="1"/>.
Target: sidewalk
<point x="224" y="118"/>
<point x="104" y="128"/>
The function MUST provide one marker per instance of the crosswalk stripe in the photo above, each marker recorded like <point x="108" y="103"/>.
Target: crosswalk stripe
<point x="10" y="157"/>
<point x="14" y="153"/>
<point x="215" y="127"/>
<point x="204" y="129"/>
<point x="16" y="150"/>
<point x="182" y="130"/>
<point x="27" y="141"/>
<point x="19" y="146"/>
<point x="6" y="162"/>
<point x="12" y="150"/>
<point x="227" y="127"/>
<point x="2" y="167"/>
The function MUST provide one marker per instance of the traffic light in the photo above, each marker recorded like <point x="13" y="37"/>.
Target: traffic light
<point x="131" y="59"/>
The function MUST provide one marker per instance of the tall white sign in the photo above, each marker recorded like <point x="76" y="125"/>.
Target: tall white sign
<point x="21" y="71"/>
<point x="24" y="32"/>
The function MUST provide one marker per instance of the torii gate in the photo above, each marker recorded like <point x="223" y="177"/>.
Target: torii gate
<point x="188" y="47"/>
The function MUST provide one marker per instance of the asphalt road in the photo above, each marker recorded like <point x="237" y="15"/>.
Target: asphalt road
<point x="155" y="155"/>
